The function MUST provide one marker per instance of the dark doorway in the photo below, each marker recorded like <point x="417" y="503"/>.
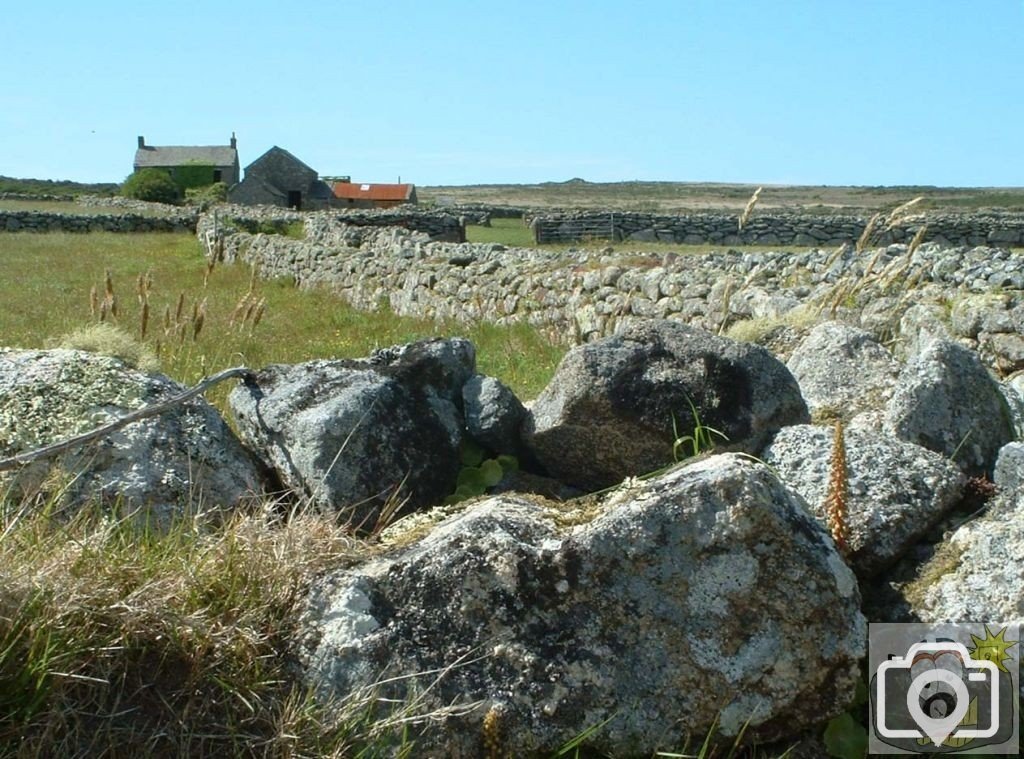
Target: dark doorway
<point x="295" y="199"/>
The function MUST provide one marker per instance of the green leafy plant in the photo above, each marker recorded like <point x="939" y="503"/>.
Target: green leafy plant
<point x="845" y="737"/>
<point x="479" y="474"/>
<point x="700" y="440"/>
<point x="152" y="185"/>
<point x="194" y="174"/>
<point x="214" y="193"/>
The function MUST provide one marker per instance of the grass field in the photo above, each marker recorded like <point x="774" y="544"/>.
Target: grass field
<point x="45" y="283"/>
<point x="694" y="196"/>
<point x="75" y="208"/>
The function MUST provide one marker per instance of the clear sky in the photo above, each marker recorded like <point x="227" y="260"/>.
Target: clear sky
<point x="867" y="92"/>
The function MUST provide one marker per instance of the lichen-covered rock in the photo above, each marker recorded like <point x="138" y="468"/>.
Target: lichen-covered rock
<point x="350" y="435"/>
<point x="1013" y="390"/>
<point x="493" y="414"/>
<point x="986" y="312"/>
<point x="946" y="401"/>
<point x="185" y="458"/>
<point x="919" y="325"/>
<point x="615" y="406"/>
<point x="843" y="370"/>
<point x="1002" y="350"/>
<point x="707" y="593"/>
<point x="1009" y="471"/>
<point x="978" y="573"/>
<point x="897" y="490"/>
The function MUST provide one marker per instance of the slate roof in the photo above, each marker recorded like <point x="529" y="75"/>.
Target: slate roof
<point x="356" y="191"/>
<point x="180" y="155"/>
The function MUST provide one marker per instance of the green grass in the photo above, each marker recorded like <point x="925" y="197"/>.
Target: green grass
<point x="511" y="232"/>
<point x="45" y="280"/>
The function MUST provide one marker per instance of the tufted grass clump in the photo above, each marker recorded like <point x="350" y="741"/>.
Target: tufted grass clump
<point x="119" y="639"/>
<point x="108" y="340"/>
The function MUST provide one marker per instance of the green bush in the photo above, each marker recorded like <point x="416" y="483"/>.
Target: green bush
<point x="214" y="193"/>
<point x="152" y="185"/>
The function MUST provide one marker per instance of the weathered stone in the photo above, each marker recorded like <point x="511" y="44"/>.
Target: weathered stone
<point x="981" y="313"/>
<point x="1008" y="475"/>
<point x="493" y="414"/>
<point x="897" y="490"/>
<point x="946" y="401"/>
<point x="185" y="458"/>
<point x="615" y="406"/>
<point x="978" y="573"/>
<point x="1003" y="350"/>
<point x="350" y="435"/>
<point x="1013" y="390"/>
<point x="919" y="325"/>
<point x="705" y="596"/>
<point x="842" y="370"/>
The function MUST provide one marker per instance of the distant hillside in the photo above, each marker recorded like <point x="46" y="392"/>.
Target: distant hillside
<point x="55" y="187"/>
<point x="694" y="196"/>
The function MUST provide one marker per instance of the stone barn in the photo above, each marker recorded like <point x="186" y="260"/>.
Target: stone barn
<point x="191" y="165"/>
<point x="277" y="178"/>
<point x="354" y="195"/>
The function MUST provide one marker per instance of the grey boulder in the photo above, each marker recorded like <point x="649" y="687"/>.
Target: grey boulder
<point x="1009" y="470"/>
<point x="843" y="370"/>
<point x="356" y="435"/>
<point x="493" y="414"/>
<point x="615" y="406"/>
<point x="897" y="490"/>
<point x="978" y="573"/>
<point x="186" y="458"/>
<point x="707" y="593"/>
<point x="919" y="325"/>
<point x="946" y="401"/>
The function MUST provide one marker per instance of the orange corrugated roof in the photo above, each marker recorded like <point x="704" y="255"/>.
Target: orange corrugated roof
<point x="357" y="191"/>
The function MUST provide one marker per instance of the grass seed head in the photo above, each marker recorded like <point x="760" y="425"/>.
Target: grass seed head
<point x="745" y="216"/>
<point x="838" y="492"/>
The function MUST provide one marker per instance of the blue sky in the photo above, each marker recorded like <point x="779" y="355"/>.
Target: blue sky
<point x="800" y="91"/>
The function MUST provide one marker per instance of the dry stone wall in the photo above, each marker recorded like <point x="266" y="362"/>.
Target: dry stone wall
<point x="252" y="219"/>
<point x="585" y="294"/>
<point x="41" y="221"/>
<point x="774" y="228"/>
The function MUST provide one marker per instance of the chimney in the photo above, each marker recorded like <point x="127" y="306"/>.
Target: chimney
<point x="142" y="141"/>
<point x="234" y="142"/>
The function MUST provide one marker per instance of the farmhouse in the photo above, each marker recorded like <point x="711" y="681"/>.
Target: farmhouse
<point x="191" y="165"/>
<point x="353" y="195"/>
<point x="277" y="178"/>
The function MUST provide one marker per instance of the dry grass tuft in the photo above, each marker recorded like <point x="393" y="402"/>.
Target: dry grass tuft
<point x="918" y="238"/>
<point x="107" y="340"/>
<point x="869" y="231"/>
<point x="900" y="212"/>
<point x="838" y="493"/>
<point x="120" y="639"/>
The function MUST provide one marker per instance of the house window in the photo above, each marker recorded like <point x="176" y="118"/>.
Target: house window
<point x="216" y="175"/>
